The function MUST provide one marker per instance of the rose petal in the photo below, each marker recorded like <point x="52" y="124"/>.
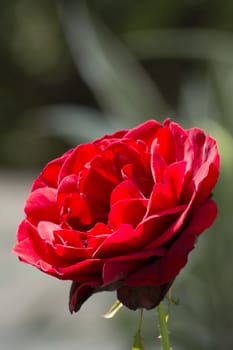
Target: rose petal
<point x="70" y="237"/>
<point x="143" y="181"/>
<point x="158" y="164"/>
<point x="41" y="205"/>
<point x="24" y="248"/>
<point x="128" y="211"/>
<point x="126" y="240"/>
<point x="41" y="246"/>
<point x="204" y="149"/>
<point x="176" y="176"/>
<point x="168" y="267"/>
<point x="77" y="159"/>
<point x="79" y="293"/>
<point x="118" y="268"/>
<point x="145" y="132"/>
<point x="50" y="173"/>
<point x="162" y="197"/>
<point x="46" y="230"/>
<point x="182" y="144"/>
<point x="204" y="181"/>
<point x="142" y="297"/>
<point x="126" y="189"/>
<point x="160" y="227"/>
<point x="100" y="229"/>
<point x="73" y="253"/>
<point x="68" y="185"/>
<point x="166" y="150"/>
<point x="197" y="138"/>
<point x="82" y="271"/>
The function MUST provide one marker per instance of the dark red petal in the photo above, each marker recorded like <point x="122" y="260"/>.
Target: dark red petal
<point x="30" y="252"/>
<point x="204" y="149"/>
<point x="24" y="248"/>
<point x="158" y="164"/>
<point x="182" y="145"/>
<point x="68" y="185"/>
<point x="126" y="189"/>
<point x="73" y="253"/>
<point x="99" y="180"/>
<point x="204" y="181"/>
<point x="127" y="211"/>
<point x="142" y="180"/>
<point x="155" y="228"/>
<point x="117" y="269"/>
<point x="99" y="229"/>
<point x="49" y="175"/>
<point x="79" y="293"/>
<point x="142" y="297"/>
<point x="43" y="245"/>
<point x="27" y="254"/>
<point x="82" y="271"/>
<point x="145" y="132"/>
<point x="126" y="240"/>
<point x="162" y="197"/>
<point x="41" y="205"/>
<point x="197" y="138"/>
<point x="95" y="186"/>
<point x="171" y="231"/>
<point x="176" y="176"/>
<point x="118" y="243"/>
<point x="77" y="211"/>
<point x="165" y="144"/>
<point x="69" y="237"/>
<point x="211" y="152"/>
<point x="76" y="161"/>
<point x="167" y="268"/>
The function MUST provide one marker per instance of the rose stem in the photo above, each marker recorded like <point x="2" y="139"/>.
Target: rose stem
<point x="164" y="337"/>
<point x="140" y="320"/>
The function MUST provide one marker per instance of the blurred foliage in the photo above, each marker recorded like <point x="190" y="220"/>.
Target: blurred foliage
<point x="73" y="70"/>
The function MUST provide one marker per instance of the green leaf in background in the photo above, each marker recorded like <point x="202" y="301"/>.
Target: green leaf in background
<point x="119" y="82"/>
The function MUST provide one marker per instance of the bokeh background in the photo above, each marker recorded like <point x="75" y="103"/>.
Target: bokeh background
<point x="71" y="71"/>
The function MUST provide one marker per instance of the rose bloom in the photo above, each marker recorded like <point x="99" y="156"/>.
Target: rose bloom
<point x="122" y="212"/>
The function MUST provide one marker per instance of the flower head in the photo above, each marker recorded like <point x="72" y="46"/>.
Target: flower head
<point x="122" y="212"/>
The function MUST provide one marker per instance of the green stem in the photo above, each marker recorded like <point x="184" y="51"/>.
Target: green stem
<point x="138" y="340"/>
<point x="164" y="337"/>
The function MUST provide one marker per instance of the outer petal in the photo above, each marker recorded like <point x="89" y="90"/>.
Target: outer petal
<point x="167" y="268"/>
<point x="145" y="132"/>
<point x="182" y="144"/>
<point x="82" y="271"/>
<point x="146" y="297"/>
<point x="158" y="164"/>
<point x="204" y="149"/>
<point x="41" y="205"/>
<point x="50" y="173"/>
<point x="165" y="143"/>
<point x="77" y="159"/>
<point x="117" y="269"/>
<point x="25" y="248"/>
<point x="79" y="293"/>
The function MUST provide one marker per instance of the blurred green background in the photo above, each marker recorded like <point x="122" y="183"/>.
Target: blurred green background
<point x="71" y="71"/>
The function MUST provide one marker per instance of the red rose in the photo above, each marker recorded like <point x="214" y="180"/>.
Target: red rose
<point x="122" y="212"/>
